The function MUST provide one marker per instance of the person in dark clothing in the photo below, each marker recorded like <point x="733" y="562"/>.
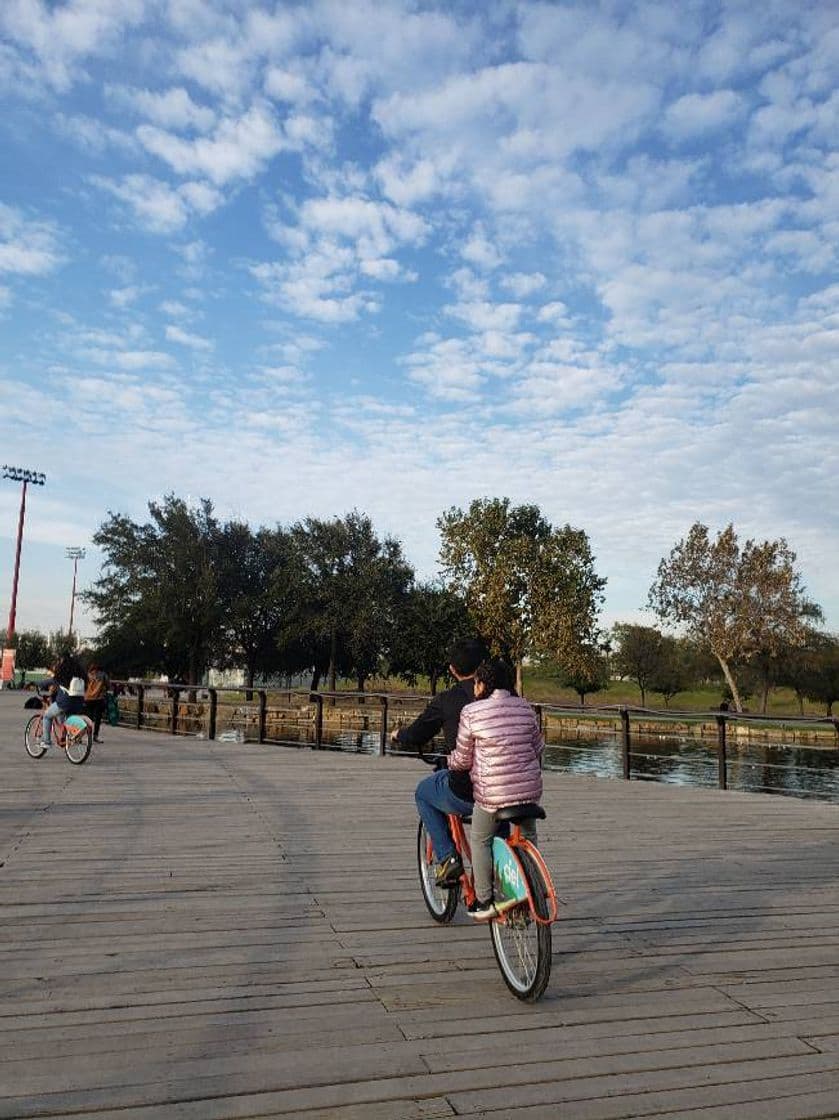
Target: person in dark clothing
<point x="67" y="667"/>
<point x="445" y="791"/>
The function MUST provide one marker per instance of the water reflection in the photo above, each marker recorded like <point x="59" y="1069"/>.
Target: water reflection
<point x="767" y="768"/>
<point x="755" y="767"/>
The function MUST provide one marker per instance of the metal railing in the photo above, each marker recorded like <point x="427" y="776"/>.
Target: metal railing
<point x="363" y="721"/>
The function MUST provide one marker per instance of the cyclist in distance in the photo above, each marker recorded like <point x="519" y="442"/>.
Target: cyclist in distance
<point x="445" y="791"/>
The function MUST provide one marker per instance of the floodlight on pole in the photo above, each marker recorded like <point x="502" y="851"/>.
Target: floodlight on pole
<point x="36" y="478"/>
<point x="74" y="554"/>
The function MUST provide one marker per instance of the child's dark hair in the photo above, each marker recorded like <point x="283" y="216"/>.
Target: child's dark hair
<point x="495" y="674"/>
<point x="466" y="655"/>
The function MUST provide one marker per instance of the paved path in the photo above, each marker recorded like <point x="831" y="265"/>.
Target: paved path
<point x="209" y="931"/>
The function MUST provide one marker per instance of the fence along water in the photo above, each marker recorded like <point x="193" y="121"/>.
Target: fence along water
<point x="721" y="748"/>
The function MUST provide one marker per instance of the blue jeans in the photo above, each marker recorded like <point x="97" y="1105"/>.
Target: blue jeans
<point x="435" y="801"/>
<point x="52" y="712"/>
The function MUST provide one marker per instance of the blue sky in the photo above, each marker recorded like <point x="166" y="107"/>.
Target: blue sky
<point x="393" y="256"/>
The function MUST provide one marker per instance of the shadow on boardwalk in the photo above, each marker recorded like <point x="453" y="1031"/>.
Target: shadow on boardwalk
<point x="215" y="930"/>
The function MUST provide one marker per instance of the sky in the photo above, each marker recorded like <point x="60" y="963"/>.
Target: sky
<point x="394" y="256"/>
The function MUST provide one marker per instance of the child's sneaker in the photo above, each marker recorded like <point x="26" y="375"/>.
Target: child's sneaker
<point x="482" y="911"/>
<point x="449" y="871"/>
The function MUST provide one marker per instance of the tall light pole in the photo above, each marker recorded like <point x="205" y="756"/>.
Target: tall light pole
<point x="74" y="554"/>
<point x="37" y="478"/>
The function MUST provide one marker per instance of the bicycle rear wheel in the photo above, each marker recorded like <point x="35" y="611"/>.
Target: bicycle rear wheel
<point x="32" y="736"/>
<point x="523" y="946"/>
<point x="77" y="745"/>
<point x="441" y="903"/>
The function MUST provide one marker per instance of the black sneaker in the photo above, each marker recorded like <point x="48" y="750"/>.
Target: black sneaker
<point x="482" y="911"/>
<point x="449" y="871"/>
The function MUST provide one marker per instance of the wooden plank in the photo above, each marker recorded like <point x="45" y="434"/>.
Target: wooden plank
<point x="205" y="931"/>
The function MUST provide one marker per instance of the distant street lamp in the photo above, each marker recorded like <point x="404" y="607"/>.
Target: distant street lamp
<point x="18" y="474"/>
<point x="74" y="554"/>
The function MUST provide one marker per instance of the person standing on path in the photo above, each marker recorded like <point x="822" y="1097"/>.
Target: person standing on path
<point x="95" y="697"/>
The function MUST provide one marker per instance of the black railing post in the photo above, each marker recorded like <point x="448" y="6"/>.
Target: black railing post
<point x="627" y="769"/>
<point x="211" y="730"/>
<point x="722" y="758"/>
<point x="176" y="694"/>
<point x="318" y="722"/>
<point x="383" y="731"/>
<point x="141" y="694"/>
<point x="263" y="708"/>
<point x="537" y="708"/>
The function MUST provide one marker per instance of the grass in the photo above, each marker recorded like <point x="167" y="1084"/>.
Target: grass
<point x="541" y="689"/>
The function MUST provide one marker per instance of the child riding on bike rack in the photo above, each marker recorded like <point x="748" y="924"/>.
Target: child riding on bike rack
<point x="66" y="702"/>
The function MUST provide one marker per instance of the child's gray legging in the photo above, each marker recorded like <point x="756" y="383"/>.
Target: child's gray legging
<point x="483" y="830"/>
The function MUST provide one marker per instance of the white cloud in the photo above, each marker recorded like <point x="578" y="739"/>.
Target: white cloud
<point x="28" y="247"/>
<point x="285" y="85"/>
<point x="485" y="316"/>
<point x="159" y="207"/>
<point x="480" y="251"/>
<point x="184" y="338"/>
<point x="129" y="359"/>
<point x="175" y="309"/>
<point x="124" y="297"/>
<point x="94" y="134"/>
<point x="169" y="108"/>
<point x="695" y="114"/>
<point x="60" y="38"/>
<point x="523" y="284"/>
<point x="238" y="148"/>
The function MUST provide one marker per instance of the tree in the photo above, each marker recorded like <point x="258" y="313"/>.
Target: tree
<point x="676" y="670"/>
<point x="430" y="619"/>
<point x="586" y="673"/>
<point x="735" y="601"/>
<point x="260" y="578"/>
<point x="157" y="595"/>
<point x="354" y="583"/>
<point x="821" y="674"/>
<point x="638" y="655"/>
<point x="33" y="649"/>
<point x="531" y="589"/>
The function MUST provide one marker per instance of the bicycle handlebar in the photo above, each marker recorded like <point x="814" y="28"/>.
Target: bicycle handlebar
<point x="438" y="761"/>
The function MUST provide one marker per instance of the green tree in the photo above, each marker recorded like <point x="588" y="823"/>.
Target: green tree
<point x="354" y="584"/>
<point x="676" y="670"/>
<point x="638" y="655"/>
<point x="33" y="649"/>
<point x="735" y="601"/>
<point x="430" y="619"/>
<point x="821" y="673"/>
<point x="157" y="595"/>
<point x="260" y="587"/>
<point x="586" y="673"/>
<point x="530" y="588"/>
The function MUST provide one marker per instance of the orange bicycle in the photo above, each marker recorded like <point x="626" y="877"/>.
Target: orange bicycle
<point x="74" y="735"/>
<point x="524" y="898"/>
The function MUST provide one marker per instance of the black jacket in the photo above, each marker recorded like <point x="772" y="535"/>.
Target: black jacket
<point x="443" y="714"/>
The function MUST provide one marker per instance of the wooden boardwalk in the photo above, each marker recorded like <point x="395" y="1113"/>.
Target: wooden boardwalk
<point x="208" y="931"/>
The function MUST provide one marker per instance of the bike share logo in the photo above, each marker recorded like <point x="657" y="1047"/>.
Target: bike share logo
<point x="511" y="877"/>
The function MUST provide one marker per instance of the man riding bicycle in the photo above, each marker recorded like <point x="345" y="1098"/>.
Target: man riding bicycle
<point x="445" y="791"/>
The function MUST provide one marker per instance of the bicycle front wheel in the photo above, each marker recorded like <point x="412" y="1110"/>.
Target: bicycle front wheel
<point x="32" y="736"/>
<point x="77" y="745"/>
<point x="523" y="946"/>
<point x="441" y="903"/>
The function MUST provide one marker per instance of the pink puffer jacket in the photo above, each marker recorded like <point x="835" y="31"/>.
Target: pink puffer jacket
<point x="500" y="744"/>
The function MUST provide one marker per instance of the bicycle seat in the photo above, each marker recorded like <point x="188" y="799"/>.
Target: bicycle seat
<point x="517" y="813"/>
